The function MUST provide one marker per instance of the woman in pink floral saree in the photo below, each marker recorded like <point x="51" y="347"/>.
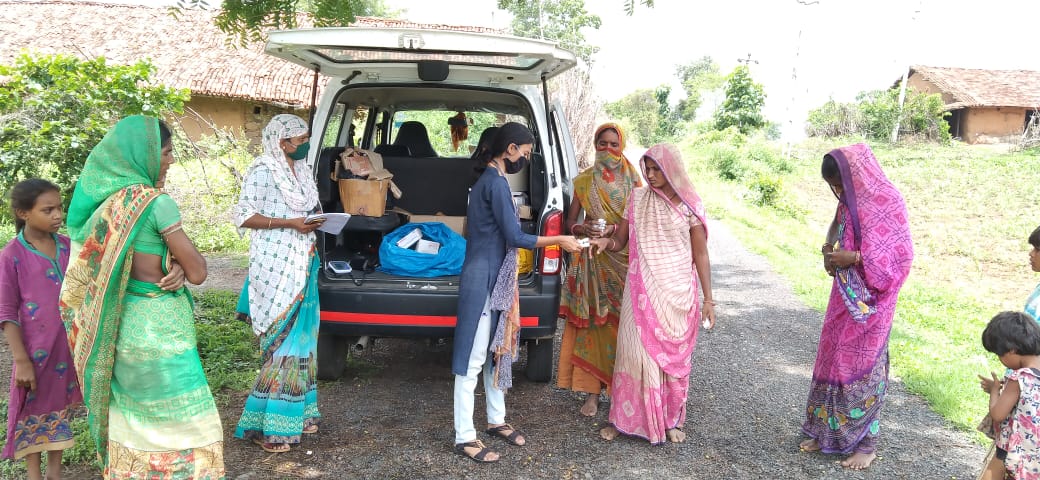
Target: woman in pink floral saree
<point x="869" y="252"/>
<point x="660" y="312"/>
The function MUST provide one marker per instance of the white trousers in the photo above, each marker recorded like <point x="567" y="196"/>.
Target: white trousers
<point x="466" y="385"/>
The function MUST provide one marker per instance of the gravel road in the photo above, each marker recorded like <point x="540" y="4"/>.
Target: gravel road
<point x="391" y="414"/>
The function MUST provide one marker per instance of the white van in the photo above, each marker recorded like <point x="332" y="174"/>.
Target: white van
<point x="392" y="91"/>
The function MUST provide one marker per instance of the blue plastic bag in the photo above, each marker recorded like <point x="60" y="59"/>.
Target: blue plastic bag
<point x="410" y="263"/>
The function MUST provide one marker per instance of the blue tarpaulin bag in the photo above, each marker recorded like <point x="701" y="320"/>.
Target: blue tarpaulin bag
<point x="410" y="263"/>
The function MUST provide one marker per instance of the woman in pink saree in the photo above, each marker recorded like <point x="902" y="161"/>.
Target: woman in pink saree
<point x="869" y="252"/>
<point x="660" y="312"/>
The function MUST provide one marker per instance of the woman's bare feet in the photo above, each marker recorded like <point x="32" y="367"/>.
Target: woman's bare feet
<point x="675" y="435"/>
<point x="608" y="433"/>
<point x="810" y="445"/>
<point x="591" y="405"/>
<point x="858" y="461"/>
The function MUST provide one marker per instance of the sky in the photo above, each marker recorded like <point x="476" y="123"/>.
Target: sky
<point x="802" y="51"/>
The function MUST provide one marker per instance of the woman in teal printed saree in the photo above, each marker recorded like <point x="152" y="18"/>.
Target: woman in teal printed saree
<point x="280" y="296"/>
<point x="129" y="317"/>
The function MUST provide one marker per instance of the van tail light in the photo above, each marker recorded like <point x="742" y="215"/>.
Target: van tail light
<point x="551" y="260"/>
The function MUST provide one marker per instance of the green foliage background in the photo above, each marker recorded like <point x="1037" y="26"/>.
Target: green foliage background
<point x="55" y="108"/>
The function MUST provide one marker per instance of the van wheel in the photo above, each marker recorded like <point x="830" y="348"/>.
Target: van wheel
<point x="539" y="360"/>
<point x="332" y="356"/>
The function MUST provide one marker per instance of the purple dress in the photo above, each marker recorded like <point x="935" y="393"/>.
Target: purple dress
<point x="30" y="281"/>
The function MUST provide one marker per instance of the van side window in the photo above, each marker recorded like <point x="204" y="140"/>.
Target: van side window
<point x="334" y="128"/>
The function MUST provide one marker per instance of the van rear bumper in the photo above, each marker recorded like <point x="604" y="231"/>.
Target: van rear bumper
<point x="413" y="313"/>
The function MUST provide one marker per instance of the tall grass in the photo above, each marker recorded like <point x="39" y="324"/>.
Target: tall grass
<point x="971" y="209"/>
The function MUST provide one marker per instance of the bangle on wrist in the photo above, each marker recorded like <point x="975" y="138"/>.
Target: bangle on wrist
<point x="611" y="245"/>
<point x="269" y="221"/>
<point x="574" y="229"/>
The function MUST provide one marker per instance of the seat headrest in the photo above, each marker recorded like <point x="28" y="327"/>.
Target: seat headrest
<point x="413" y="135"/>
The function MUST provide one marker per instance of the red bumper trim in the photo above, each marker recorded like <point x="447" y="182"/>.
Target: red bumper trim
<point x="404" y="320"/>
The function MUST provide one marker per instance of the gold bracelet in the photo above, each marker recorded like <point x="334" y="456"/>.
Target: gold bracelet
<point x="612" y="245"/>
<point x="269" y="220"/>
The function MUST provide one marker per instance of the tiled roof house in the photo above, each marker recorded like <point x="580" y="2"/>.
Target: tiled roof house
<point x="237" y="87"/>
<point x="986" y="106"/>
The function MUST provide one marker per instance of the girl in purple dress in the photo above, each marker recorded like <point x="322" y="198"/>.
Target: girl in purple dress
<point x="43" y="384"/>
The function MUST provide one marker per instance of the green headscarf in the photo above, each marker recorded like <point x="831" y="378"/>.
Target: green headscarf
<point x="129" y="154"/>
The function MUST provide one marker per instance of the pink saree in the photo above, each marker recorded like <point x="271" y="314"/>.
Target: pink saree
<point x="660" y="307"/>
<point x="850" y="376"/>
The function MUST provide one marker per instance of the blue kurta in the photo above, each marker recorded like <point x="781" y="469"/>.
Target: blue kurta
<point x="491" y="228"/>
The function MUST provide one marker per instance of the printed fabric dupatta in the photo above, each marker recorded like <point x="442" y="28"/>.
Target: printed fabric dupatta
<point x="115" y="191"/>
<point x="880" y="230"/>
<point x="667" y="321"/>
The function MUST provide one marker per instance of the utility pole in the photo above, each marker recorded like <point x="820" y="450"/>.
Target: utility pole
<point x="906" y="76"/>
<point x="747" y="61"/>
<point x="787" y="153"/>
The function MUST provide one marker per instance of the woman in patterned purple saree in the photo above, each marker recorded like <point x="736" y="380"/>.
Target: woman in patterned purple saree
<point x="869" y="252"/>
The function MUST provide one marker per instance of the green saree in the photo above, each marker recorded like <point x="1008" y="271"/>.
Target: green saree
<point x="150" y="411"/>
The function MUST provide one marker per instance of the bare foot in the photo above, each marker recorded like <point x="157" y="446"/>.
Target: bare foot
<point x="608" y="433"/>
<point x="675" y="435"/>
<point x="858" y="461"/>
<point x="810" y="445"/>
<point x="591" y="405"/>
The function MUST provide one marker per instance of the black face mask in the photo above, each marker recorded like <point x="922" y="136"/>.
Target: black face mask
<point x="514" y="167"/>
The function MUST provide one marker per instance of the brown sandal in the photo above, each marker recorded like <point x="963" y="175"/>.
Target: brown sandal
<point x="479" y="457"/>
<point x="310" y="429"/>
<point x="500" y="430"/>
<point x="272" y="447"/>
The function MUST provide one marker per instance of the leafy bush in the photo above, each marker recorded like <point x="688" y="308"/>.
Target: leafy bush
<point x="55" y="108"/>
<point x="875" y="114"/>
<point x="766" y="188"/>
<point x="729" y="136"/>
<point x="205" y="182"/>
<point x="727" y="161"/>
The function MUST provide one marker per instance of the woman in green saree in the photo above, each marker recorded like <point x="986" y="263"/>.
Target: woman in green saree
<point x="129" y="317"/>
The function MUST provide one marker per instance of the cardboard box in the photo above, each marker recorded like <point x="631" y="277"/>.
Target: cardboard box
<point x="456" y="224"/>
<point x="363" y="197"/>
<point x="525" y="212"/>
<point x="427" y="246"/>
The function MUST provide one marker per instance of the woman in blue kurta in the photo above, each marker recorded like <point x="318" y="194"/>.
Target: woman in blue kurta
<point x="489" y="310"/>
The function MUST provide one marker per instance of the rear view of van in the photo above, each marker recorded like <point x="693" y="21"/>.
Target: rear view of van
<point x="396" y="96"/>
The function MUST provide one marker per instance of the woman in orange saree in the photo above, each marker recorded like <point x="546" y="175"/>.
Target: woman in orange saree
<point x="591" y="298"/>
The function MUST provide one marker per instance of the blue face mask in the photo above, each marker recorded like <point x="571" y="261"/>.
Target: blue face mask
<point x="301" y="151"/>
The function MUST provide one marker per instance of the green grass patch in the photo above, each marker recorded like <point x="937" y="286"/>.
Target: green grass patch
<point x="229" y="351"/>
<point x="971" y="209"/>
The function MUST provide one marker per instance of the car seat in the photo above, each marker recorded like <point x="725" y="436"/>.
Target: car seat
<point x="413" y="135"/>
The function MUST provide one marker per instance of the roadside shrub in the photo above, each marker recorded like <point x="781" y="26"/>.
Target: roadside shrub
<point x="765" y="188"/>
<point x="761" y="153"/>
<point x="875" y="114"/>
<point x="205" y="182"/>
<point x="729" y="136"/>
<point x="727" y="161"/>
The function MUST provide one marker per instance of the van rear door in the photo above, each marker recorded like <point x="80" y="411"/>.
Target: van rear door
<point x="394" y="54"/>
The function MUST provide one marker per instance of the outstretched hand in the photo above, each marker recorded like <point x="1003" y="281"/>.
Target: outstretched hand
<point x="569" y="243"/>
<point x="989" y="384"/>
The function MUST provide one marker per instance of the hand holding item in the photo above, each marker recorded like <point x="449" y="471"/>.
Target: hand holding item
<point x="24" y="376"/>
<point x="174" y="280"/>
<point x="300" y="224"/>
<point x="708" y="314"/>
<point x="569" y="243"/>
<point x="842" y="258"/>
<point x="826" y="250"/>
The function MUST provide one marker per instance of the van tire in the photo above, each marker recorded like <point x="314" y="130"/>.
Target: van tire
<point x="539" y="360"/>
<point x="332" y="356"/>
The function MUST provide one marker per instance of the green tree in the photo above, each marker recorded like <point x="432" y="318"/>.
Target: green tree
<point x="667" y="118"/>
<point x="743" y="104"/>
<point x="55" y="108"/>
<point x="697" y="76"/>
<point x="246" y="20"/>
<point x="639" y="110"/>
<point x="557" y="20"/>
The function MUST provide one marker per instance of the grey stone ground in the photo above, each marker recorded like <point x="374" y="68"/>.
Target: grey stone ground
<point x="391" y="415"/>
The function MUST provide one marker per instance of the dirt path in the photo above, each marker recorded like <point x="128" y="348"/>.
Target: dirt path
<point x="390" y="416"/>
